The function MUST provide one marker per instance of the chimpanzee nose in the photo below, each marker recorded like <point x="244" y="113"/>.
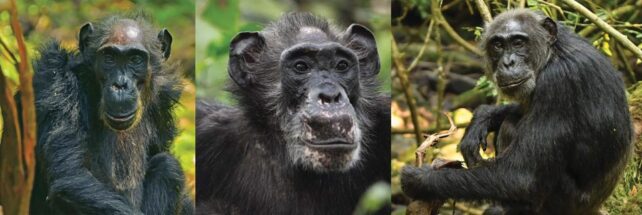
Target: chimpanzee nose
<point x="328" y="94"/>
<point x="120" y="85"/>
<point x="508" y="61"/>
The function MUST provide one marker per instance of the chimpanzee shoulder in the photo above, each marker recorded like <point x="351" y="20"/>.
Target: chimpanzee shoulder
<point x="219" y="129"/>
<point x="53" y="78"/>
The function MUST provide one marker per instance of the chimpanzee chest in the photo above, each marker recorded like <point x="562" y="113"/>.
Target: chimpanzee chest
<point x="120" y="163"/>
<point x="507" y="132"/>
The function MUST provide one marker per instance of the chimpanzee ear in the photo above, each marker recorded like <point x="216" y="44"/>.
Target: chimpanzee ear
<point x="83" y="37"/>
<point x="165" y="39"/>
<point x="362" y="41"/>
<point x="551" y="27"/>
<point x="244" y="51"/>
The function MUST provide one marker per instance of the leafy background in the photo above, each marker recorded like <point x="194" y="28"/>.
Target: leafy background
<point x="46" y="20"/>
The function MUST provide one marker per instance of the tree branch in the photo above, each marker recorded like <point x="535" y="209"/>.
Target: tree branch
<point x="484" y="11"/>
<point x="423" y="47"/>
<point x="614" y="13"/>
<point x="439" y="18"/>
<point x="402" y="74"/>
<point x="605" y="26"/>
<point x="17" y="164"/>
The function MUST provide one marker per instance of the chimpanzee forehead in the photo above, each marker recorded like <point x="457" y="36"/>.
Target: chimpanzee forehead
<point x="311" y="34"/>
<point x="514" y="22"/>
<point x="510" y="26"/>
<point x="125" y="32"/>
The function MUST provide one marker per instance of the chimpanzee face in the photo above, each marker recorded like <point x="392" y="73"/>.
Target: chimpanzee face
<point x="517" y="48"/>
<point x="122" y="69"/>
<point x="321" y="122"/>
<point x="318" y="88"/>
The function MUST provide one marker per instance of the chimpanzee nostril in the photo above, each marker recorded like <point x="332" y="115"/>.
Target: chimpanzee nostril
<point x="329" y="97"/>
<point x="508" y="62"/>
<point x="119" y="86"/>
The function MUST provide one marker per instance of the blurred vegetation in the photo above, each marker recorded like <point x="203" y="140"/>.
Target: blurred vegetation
<point x="46" y="20"/>
<point x="219" y="21"/>
<point x="448" y="76"/>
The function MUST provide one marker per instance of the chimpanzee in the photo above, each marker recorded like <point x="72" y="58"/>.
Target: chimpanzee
<point x="310" y="132"/>
<point x="105" y="123"/>
<point x="563" y="145"/>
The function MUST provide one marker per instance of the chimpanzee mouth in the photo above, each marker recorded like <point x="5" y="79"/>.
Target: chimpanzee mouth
<point x="514" y="84"/>
<point x="333" y="143"/>
<point x="120" y="121"/>
<point x="326" y="140"/>
<point x="328" y="131"/>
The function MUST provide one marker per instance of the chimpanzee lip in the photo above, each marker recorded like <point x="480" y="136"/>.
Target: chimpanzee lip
<point x="515" y="83"/>
<point x="332" y="143"/>
<point x="121" y="118"/>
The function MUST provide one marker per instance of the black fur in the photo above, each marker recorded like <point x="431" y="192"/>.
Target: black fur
<point x="562" y="150"/>
<point x="83" y="167"/>
<point x="242" y="163"/>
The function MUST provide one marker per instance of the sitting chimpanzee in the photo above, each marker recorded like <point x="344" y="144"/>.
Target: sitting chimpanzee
<point x="565" y="143"/>
<point x="105" y="124"/>
<point x="311" y="132"/>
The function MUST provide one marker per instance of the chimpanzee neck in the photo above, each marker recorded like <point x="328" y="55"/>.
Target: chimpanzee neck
<point x="120" y="159"/>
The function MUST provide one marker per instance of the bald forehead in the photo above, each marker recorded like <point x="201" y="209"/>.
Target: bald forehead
<point x="514" y="21"/>
<point x="311" y="34"/>
<point x="124" y="32"/>
<point x="512" y="25"/>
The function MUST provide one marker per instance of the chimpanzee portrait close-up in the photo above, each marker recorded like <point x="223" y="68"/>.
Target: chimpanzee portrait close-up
<point x="105" y="123"/>
<point x="311" y="130"/>
<point x="561" y="148"/>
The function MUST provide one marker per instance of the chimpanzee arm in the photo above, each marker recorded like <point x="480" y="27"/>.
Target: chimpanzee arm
<point x="479" y="183"/>
<point x="511" y="177"/>
<point x="496" y="181"/>
<point x="486" y="119"/>
<point x="163" y="187"/>
<point x="72" y="184"/>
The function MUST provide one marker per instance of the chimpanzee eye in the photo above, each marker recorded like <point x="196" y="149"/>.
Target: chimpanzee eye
<point x="518" y="43"/>
<point x="136" y="59"/>
<point x="342" y="65"/>
<point x="108" y="58"/>
<point x="498" y="46"/>
<point x="301" y="66"/>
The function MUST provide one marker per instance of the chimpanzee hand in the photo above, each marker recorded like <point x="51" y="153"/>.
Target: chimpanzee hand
<point x="486" y="119"/>
<point x="413" y="181"/>
<point x="476" y="134"/>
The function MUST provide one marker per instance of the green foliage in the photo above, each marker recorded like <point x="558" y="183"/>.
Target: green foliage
<point x="487" y="86"/>
<point x="626" y="198"/>
<point x="374" y="198"/>
<point x="423" y="7"/>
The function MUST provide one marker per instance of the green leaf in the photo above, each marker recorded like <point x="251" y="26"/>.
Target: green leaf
<point x="222" y="14"/>
<point x="374" y="198"/>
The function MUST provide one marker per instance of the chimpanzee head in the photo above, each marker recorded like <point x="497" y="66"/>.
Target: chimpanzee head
<point x="309" y="84"/>
<point x="124" y="54"/>
<point x="518" y="44"/>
